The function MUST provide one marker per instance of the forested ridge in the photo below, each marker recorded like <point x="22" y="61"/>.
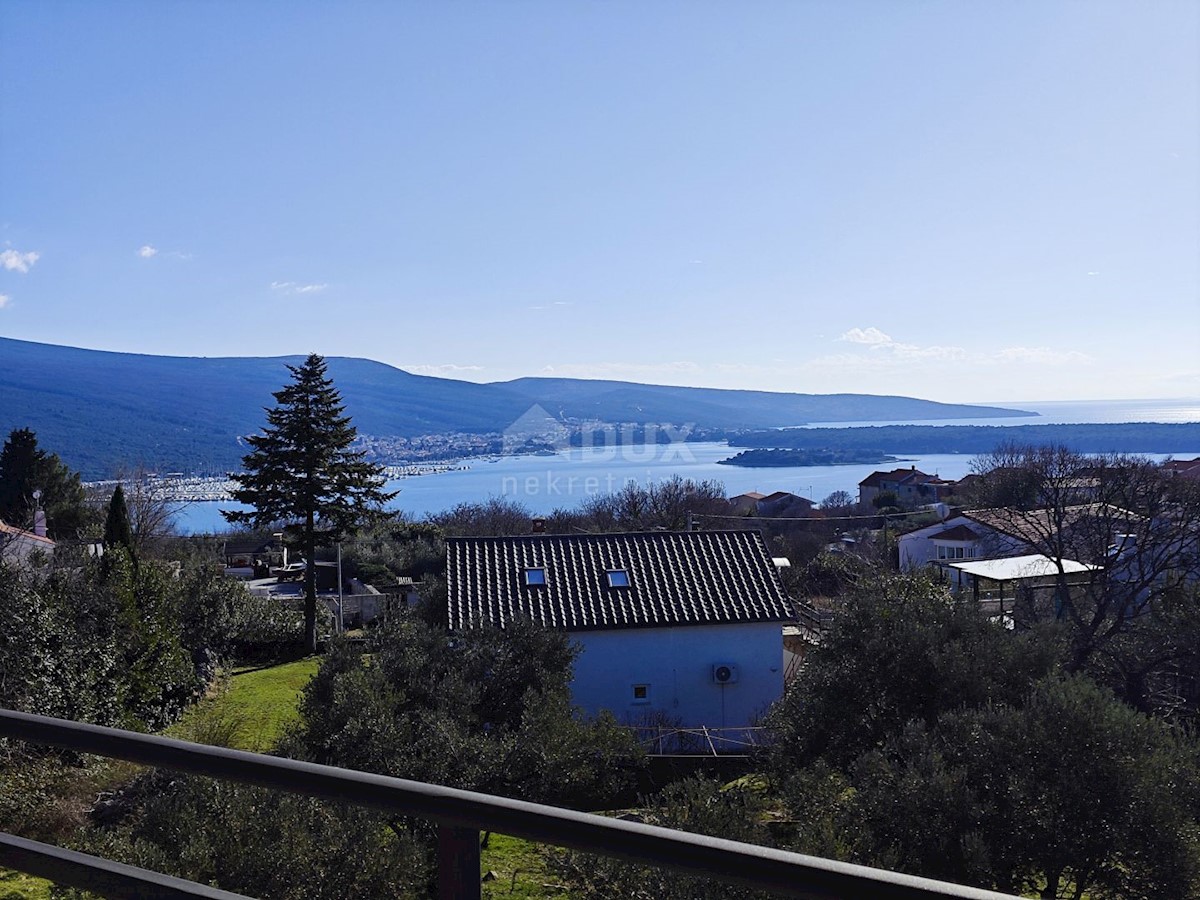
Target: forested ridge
<point x="103" y="411"/>
<point x="1130" y="437"/>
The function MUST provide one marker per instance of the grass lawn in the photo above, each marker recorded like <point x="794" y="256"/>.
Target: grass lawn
<point x="520" y="870"/>
<point x="251" y="709"/>
<point x="26" y="887"/>
<point x="268" y="699"/>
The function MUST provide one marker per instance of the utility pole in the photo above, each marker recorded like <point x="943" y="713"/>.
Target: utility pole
<point x="341" y="621"/>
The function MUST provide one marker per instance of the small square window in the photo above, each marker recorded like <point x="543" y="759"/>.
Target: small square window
<point x="641" y="693"/>
<point x="536" y="577"/>
<point x="618" y="578"/>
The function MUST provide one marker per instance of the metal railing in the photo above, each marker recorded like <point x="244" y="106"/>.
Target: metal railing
<point x="460" y="815"/>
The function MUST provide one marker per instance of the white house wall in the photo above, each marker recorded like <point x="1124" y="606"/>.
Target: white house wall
<point x="917" y="548"/>
<point x="676" y="664"/>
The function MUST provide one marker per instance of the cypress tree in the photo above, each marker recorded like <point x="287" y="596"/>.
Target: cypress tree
<point x="117" y="530"/>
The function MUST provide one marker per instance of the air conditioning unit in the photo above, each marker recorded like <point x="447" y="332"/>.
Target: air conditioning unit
<point x="724" y="673"/>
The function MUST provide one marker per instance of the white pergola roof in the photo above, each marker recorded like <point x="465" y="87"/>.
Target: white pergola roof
<point x="1014" y="568"/>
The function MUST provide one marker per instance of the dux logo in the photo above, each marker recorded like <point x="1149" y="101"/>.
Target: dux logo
<point x="535" y="430"/>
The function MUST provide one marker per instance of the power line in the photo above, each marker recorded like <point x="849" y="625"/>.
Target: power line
<point x="897" y="515"/>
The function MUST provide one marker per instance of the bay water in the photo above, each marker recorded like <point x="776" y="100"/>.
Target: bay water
<point x="565" y="479"/>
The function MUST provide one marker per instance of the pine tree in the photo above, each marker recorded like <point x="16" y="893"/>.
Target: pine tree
<point x="302" y="471"/>
<point x="26" y="469"/>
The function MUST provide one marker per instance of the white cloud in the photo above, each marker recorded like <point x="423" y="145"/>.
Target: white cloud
<point x="1040" y="355"/>
<point x="871" y="336"/>
<point x="894" y="356"/>
<point x="4" y="298"/>
<point x="441" y="371"/>
<point x="149" y="251"/>
<point x="16" y="261"/>
<point x="292" y="287"/>
<point x="884" y="345"/>
<point x="623" y="370"/>
<point x="912" y="351"/>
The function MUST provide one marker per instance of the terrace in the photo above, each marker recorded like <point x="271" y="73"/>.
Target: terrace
<point x="460" y="816"/>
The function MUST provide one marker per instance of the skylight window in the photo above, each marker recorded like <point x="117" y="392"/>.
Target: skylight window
<point x="535" y="576"/>
<point x="618" y="577"/>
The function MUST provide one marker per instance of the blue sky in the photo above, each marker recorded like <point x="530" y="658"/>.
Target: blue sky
<point x="956" y="201"/>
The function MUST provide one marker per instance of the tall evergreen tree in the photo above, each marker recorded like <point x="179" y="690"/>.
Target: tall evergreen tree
<point x="25" y="468"/>
<point x="117" y="530"/>
<point x="301" y="471"/>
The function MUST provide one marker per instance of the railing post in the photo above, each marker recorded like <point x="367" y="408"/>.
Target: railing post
<point x="458" y="863"/>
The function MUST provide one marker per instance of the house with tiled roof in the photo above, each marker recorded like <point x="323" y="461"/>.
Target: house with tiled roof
<point x="1081" y="530"/>
<point x="18" y="547"/>
<point x="679" y="628"/>
<point x="959" y="537"/>
<point x="745" y="504"/>
<point x="1183" y="468"/>
<point x="785" y="504"/>
<point x="911" y="486"/>
<point x="776" y="504"/>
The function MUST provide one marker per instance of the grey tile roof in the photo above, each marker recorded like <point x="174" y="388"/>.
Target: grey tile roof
<point x="957" y="533"/>
<point x="675" y="578"/>
<point x="896" y="476"/>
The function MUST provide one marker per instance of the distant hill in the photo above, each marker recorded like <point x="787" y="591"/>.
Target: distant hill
<point x="1126" y="437"/>
<point x="620" y="401"/>
<point x="101" y="410"/>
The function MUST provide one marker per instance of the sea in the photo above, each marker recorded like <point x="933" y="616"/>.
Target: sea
<point x="543" y="483"/>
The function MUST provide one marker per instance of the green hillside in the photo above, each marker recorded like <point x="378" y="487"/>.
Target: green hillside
<point x="99" y="411"/>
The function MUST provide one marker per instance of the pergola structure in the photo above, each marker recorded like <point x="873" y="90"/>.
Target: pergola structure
<point x="1033" y="570"/>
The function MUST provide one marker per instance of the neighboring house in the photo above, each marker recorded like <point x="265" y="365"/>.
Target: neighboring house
<point x="778" y="504"/>
<point x="785" y="504"/>
<point x="1084" y="531"/>
<point x="955" y="539"/>
<point x="987" y="554"/>
<point x="1183" y="468"/>
<point x="911" y="486"/>
<point x="19" y="547"/>
<point x="677" y="628"/>
<point x="959" y="537"/>
<point x="745" y="504"/>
